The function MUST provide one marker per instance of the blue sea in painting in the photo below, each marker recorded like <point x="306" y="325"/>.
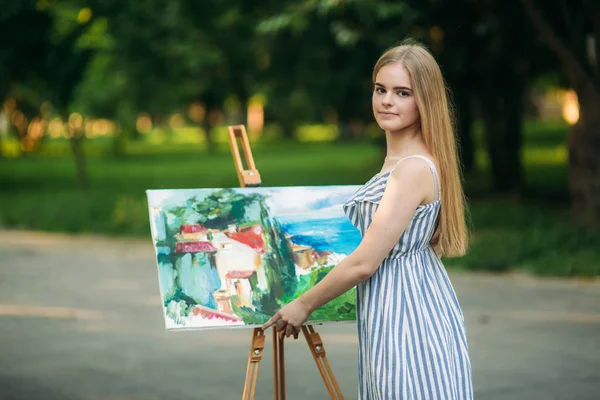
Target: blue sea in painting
<point x="324" y="234"/>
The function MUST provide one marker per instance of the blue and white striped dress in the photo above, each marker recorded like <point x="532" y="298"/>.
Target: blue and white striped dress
<point x="411" y="334"/>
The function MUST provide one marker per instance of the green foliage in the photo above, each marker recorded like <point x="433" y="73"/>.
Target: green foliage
<point x="285" y="257"/>
<point x="223" y="206"/>
<point x="125" y="217"/>
<point x="254" y="316"/>
<point x="185" y="302"/>
<point x="309" y="280"/>
<point x="341" y="307"/>
<point x="527" y="237"/>
<point x="16" y="65"/>
<point x="279" y="274"/>
<point x="339" y="39"/>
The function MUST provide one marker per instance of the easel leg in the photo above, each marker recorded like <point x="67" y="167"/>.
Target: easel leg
<point x="318" y="351"/>
<point x="278" y="365"/>
<point x="256" y="351"/>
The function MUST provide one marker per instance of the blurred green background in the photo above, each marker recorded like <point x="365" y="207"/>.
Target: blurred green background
<point x="102" y="100"/>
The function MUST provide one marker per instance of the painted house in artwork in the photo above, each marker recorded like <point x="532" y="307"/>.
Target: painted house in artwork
<point x="192" y="232"/>
<point x="240" y="284"/>
<point x="306" y="257"/>
<point x="219" y="268"/>
<point x="240" y="264"/>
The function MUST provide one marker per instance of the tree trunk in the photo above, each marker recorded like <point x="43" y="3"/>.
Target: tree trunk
<point x="76" y="140"/>
<point x="345" y="131"/>
<point x="584" y="139"/>
<point x="513" y="131"/>
<point x="584" y="159"/>
<point x="502" y="113"/>
<point x="207" y="126"/>
<point x="288" y="127"/>
<point x="462" y="101"/>
<point x="3" y="94"/>
<point x="118" y="144"/>
<point x="490" y="109"/>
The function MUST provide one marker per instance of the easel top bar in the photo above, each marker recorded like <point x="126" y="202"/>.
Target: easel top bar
<point x="247" y="177"/>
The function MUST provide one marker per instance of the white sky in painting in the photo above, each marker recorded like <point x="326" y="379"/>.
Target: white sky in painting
<point x="286" y="200"/>
<point x="174" y="197"/>
<point x="310" y="199"/>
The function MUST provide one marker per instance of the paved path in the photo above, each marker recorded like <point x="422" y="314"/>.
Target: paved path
<point x="80" y="319"/>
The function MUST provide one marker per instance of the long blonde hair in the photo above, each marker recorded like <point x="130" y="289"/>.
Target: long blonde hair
<point x="437" y="128"/>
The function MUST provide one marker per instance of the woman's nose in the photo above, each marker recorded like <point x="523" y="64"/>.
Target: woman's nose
<point x="386" y="100"/>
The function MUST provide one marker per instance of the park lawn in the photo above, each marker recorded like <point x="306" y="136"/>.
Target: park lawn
<point x="533" y="233"/>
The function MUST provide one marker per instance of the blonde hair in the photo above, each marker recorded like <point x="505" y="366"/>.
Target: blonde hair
<point x="437" y="128"/>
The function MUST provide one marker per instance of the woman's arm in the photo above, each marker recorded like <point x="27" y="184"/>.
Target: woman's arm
<point x="405" y="190"/>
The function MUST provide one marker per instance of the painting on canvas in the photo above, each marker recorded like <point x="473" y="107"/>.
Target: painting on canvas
<point x="233" y="257"/>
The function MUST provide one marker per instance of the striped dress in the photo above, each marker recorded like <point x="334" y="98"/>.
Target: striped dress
<point x="411" y="335"/>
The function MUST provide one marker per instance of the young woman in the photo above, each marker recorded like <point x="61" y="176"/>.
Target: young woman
<point x="411" y="333"/>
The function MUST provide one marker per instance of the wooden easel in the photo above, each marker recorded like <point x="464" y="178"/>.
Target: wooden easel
<point x="251" y="178"/>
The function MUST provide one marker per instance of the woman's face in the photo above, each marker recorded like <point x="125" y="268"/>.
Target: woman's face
<point x="394" y="104"/>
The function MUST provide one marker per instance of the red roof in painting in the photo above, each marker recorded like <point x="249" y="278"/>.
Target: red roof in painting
<point x="191" y="228"/>
<point x="195" y="247"/>
<point x="251" y="237"/>
<point x="239" y="274"/>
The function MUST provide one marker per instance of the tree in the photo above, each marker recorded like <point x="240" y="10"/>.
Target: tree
<point x="489" y="54"/>
<point x="322" y="54"/>
<point x="505" y="60"/>
<point x="64" y="69"/>
<point x="573" y="34"/>
<point x="157" y="53"/>
<point x="22" y="51"/>
<point x="223" y="207"/>
<point x="173" y="53"/>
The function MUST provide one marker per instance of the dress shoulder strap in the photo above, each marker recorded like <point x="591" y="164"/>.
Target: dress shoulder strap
<point x="436" y="181"/>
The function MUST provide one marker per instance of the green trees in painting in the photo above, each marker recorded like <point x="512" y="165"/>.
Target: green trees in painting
<point x="281" y="273"/>
<point x="224" y="206"/>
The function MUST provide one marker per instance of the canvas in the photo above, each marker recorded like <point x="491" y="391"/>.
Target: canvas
<point x="233" y="257"/>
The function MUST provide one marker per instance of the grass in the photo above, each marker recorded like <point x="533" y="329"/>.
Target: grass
<point x="533" y="233"/>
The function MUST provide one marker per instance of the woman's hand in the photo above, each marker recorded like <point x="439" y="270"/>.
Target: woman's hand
<point x="289" y="319"/>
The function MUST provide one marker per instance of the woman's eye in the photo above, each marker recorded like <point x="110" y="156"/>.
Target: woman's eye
<point x="402" y="94"/>
<point x="379" y="90"/>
